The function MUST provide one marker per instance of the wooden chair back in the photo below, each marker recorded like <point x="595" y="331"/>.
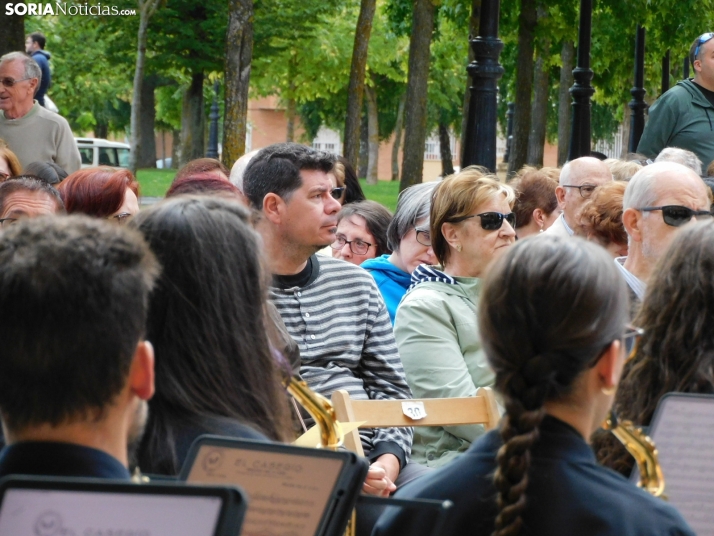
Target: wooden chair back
<point x="478" y="409"/>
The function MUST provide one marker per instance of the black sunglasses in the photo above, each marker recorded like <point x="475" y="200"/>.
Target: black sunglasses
<point x="336" y="193"/>
<point x="676" y="215"/>
<point x="490" y="221"/>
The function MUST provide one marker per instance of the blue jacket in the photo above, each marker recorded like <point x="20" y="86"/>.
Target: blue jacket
<point x="42" y="58"/>
<point x="568" y="494"/>
<point x="391" y="281"/>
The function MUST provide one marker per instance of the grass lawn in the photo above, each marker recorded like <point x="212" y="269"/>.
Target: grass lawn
<point x="155" y="182"/>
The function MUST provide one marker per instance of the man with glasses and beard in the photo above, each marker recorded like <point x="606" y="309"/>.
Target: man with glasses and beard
<point x="578" y="179"/>
<point x="659" y="200"/>
<point x="684" y="116"/>
<point x="75" y="370"/>
<point x="32" y="132"/>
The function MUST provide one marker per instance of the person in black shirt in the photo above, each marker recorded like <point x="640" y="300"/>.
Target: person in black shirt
<point x="552" y="321"/>
<point x="75" y="370"/>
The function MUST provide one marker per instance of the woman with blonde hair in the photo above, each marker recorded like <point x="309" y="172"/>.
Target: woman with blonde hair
<point x="9" y="164"/>
<point x="471" y="224"/>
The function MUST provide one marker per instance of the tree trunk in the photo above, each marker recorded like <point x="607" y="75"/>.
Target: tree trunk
<point x="192" y="121"/>
<point x="415" y="119"/>
<point x="357" y="75"/>
<point x="398" y="138"/>
<point x="363" y="147"/>
<point x="567" y="57"/>
<point x="146" y="152"/>
<point x="539" y="110"/>
<point x="12" y="30"/>
<point x="626" y="130"/>
<point x="527" y="21"/>
<point x="101" y="130"/>
<point x="146" y="10"/>
<point x="447" y="165"/>
<point x="239" y="54"/>
<point x="373" y="135"/>
<point x="290" y="114"/>
<point x="175" y="148"/>
<point x="474" y="22"/>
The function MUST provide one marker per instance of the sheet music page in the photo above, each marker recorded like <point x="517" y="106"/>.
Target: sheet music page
<point x="287" y="494"/>
<point x="684" y="436"/>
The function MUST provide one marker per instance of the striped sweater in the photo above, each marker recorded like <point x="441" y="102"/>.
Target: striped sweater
<point x="340" y="322"/>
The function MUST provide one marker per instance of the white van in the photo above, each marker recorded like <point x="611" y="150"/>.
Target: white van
<point x="97" y="152"/>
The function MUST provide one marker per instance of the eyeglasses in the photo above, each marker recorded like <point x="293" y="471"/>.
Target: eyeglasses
<point x="4" y="176"/>
<point x="676" y="215"/>
<point x="586" y="190"/>
<point x="336" y="193"/>
<point x="702" y="39"/>
<point x="357" y="246"/>
<point x="490" y="221"/>
<point x="122" y="217"/>
<point x="423" y="236"/>
<point x="632" y="331"/>
<point x="7" y="222"/>
<point x="9" y="82"/>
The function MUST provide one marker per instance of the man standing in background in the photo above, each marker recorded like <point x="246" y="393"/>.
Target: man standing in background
<point x="35" y="47"/>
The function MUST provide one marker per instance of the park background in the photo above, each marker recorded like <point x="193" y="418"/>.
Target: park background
<point x="336" y="74"/>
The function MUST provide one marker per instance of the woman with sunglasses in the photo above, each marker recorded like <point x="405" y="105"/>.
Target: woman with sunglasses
<point x="676" y="351"/>
<point x="552" y="316"/>
<point x="471" y="225"/>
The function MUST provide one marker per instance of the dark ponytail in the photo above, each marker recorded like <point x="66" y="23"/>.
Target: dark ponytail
<point x="549" y="309"/>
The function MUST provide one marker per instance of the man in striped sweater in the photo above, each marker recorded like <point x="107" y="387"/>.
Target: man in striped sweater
<point x="331" y="308"/>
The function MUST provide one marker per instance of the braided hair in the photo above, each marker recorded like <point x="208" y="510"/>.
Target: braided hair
<point x="549" y="309"/>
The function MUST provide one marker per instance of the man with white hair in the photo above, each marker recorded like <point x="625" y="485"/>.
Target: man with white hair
<point x="578" y="180"/>
<point x="32" y="132"/>
<point x="659" y="200"/>
<point x="681" y="156"/>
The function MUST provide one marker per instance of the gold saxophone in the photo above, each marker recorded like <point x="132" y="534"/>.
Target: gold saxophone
<point x="643" y="450"/>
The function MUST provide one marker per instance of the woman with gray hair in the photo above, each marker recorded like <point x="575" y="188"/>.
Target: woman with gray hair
<point x="409" y="239"/>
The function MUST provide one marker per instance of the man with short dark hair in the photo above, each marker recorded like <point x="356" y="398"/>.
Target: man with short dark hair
<point x="332" y="309"/>
<point x="27" y="197"/>
<point x="32" y="132"/>
<point x="684" y="116"/>
<point x="75" y="372"/>
<point x="35" y="47"/>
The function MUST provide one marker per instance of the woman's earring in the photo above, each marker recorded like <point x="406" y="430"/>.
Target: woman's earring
<point x="541" y="228"/>
<point x="609" y="391"/>
<point x="459" y="248"/>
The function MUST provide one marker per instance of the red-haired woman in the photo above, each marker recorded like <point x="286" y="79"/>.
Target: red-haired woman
<point x="101" y="192"/>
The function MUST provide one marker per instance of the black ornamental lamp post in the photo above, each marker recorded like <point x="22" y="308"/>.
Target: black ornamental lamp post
<point x="485" y="71"/>
<point x="685" y="68"/>
<point x="582" y="91"/>
<point x="665" y="73"/>
<point x="212" y="151"/>
<point x="638" y="104"/>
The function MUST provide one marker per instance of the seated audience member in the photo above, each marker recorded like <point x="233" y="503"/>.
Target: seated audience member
<point x="238" y="169"/>
<point x="102" y="192"/>
<point x="680" y="156"/>
<point x="204" y="167"/>
<point x="9" y="164"/>
<point x="75" y="370"/>
<point x="676" y="351"/>
<point x="347" y="178"/>
<point x="409" y="239"/>
<point x="552" y="319"/>
<point x="49" y="172"/>
<point x="27" y="197"/>
<point x="435" y="328"/>
<point x="601" y="218"/>
<point x="658" y="201"/>
<point x="536" y="204"/>
<point x="332" y="309"/>
<point x="215" y="373"/>
<point x="578" y="179"/>
<point x="623" y="170"/>
<point x="361" y="232"/>
<point x="204" y="186"/>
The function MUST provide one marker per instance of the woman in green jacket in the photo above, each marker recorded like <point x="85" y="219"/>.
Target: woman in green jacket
<point x="436" y="324"/>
